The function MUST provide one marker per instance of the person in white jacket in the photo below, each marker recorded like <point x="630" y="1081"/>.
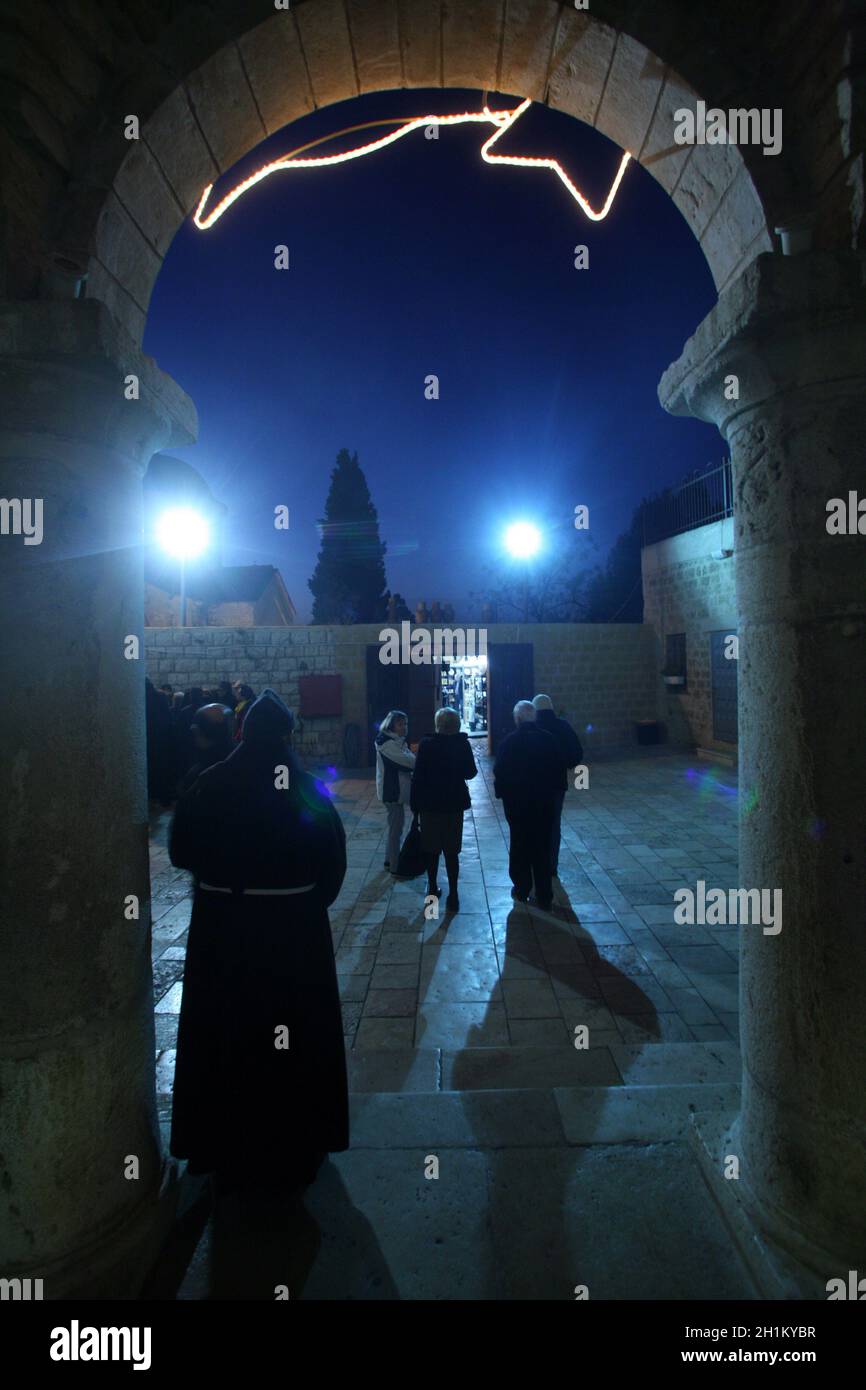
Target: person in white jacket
<point x="394" y="763"/>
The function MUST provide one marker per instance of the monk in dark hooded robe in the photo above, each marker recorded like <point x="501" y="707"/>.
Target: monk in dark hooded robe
<point x="260" y="1091"/>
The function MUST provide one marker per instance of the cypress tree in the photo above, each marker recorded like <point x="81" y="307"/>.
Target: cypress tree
<point x="348" y="583"/>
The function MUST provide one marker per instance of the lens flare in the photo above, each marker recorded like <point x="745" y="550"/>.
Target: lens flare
<point x="708" y="782"/>
<point x="182" y="532"/>
<point x="522" y="539"/>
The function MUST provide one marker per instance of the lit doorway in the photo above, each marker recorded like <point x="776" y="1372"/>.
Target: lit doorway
<point x="464" y="688"/>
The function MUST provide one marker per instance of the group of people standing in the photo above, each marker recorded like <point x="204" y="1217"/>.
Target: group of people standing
<point x="530" y="775"/>
<point x="432" y="783"/>
<point x="188" y="731"/>
<point x="260" y="1089"/>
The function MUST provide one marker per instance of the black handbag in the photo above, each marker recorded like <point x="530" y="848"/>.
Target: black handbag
<point x="412" y="860"/>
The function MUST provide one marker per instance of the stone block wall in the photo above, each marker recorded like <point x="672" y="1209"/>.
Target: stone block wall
<point x="602" y="677"/>
<point x="274" y="656"/>
<point x="686" y="589"/>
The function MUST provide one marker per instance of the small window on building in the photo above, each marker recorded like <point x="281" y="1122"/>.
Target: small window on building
<point x="675" y="661"/>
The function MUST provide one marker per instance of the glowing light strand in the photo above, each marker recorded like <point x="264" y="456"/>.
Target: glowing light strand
<point x="502" y="120"/>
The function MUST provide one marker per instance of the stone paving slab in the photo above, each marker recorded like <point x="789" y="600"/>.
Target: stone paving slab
<point x="483" y="1068"/>
<point x="620" y="1221"/>
<point x="454" y="1119"/>
<point x="673" y="1063"/>
<point x="410" y="1069"/>
<point x="439" y="1248"/>
<point x="639" y="1114"/>
<point x="462" y="1024"/>
<point x="624" y="1222"/>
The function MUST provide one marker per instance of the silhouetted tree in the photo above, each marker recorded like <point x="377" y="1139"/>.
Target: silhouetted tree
<point x="348" y="583"/>
<point x="615" y="590"/>
<point x="551" y="589"/>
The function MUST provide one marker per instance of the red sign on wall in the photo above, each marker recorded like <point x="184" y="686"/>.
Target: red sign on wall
<point x="320" y="695"/>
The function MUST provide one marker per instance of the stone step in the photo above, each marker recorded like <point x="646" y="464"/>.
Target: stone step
<point x="426" y="1070"/>
<point x="511" y="1214"/>
<point x="433" y="1071"/>
<point x="532" y="1119"/>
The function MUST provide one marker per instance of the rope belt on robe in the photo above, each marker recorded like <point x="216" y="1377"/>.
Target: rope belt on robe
<point x="267" y="723"/>
<point x="258" y="892"/>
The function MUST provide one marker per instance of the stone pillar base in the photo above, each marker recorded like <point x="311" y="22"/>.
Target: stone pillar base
<point x="779" y="1270"/>
<point x="116" y="1261"/>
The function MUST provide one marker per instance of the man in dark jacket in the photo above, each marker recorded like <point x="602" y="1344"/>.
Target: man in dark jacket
<point x="160" y="747"/>
<point x="260" y="1092"/>
<point x="526" y="775"/>
<point x="244" y="695"/>
<point x="211" y="731"/>
<point x="571" y="754"/>
<point x="184" y="744"/>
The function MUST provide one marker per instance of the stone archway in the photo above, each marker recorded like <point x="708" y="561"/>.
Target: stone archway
<point x="322" y="53"/>
<point x="76" y="1059"/>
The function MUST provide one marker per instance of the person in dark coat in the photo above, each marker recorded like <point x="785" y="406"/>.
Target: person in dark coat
<point x="185" y="750"/>
<point x="260" y="1092"/>
<point x="211" y="731"/>
<point x="439" y="794"/>
<point x="160" y="745"/>
<point x="571" y="753"/>
<point x="244" y="695"/>
<point x="526" y="775"/>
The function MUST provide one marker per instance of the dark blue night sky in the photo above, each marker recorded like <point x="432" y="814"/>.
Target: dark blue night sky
<point x="422" y="259"/>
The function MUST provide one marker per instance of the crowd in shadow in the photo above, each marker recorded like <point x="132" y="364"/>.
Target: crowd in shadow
<point x="188" y="731"/>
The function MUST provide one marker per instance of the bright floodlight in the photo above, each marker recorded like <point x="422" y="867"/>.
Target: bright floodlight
<point x="182" y="532"/>
<point x="522" y="539"/>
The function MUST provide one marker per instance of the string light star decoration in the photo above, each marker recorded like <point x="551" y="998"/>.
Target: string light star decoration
<point x="502" y="120"/>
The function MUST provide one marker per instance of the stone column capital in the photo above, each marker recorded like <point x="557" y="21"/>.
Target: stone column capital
<point x="788" y="323"/>
<point x="63" y="368"/>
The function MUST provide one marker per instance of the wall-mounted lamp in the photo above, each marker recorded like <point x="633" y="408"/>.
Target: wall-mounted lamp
<point x="796" y="238"/>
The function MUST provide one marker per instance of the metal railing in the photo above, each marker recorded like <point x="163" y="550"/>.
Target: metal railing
<point x="704" y="497"/>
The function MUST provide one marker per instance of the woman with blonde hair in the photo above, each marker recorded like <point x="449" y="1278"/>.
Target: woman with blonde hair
<point x="443" y="766"/>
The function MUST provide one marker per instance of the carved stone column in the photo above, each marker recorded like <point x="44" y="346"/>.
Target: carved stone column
<point x="780" y="367"/>
<point x="76" y="1016"/>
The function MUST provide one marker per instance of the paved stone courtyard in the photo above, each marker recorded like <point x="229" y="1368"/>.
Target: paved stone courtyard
<point x="559" y="1166"/>
<point x="500" y="975"/>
